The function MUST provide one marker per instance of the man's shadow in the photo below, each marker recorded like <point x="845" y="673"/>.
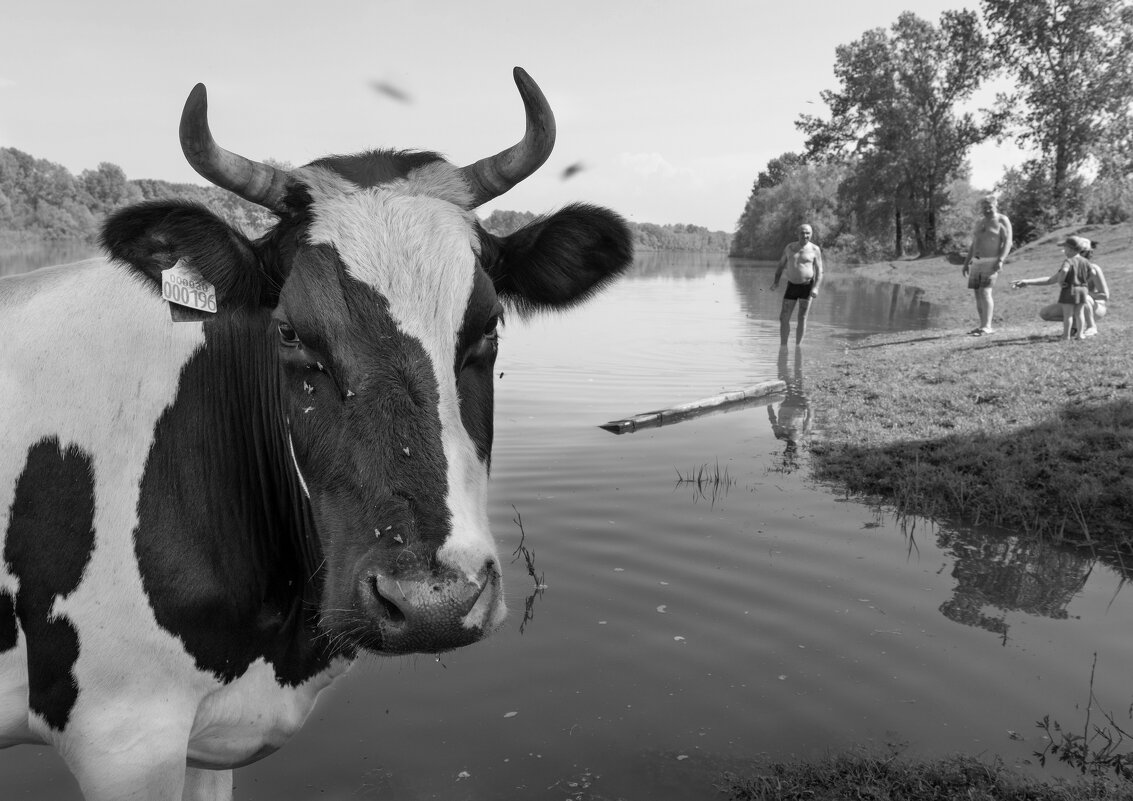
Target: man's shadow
<point x="791" y="421"/>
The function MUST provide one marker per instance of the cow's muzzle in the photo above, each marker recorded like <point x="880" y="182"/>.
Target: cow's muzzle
<point x="429" y="612"/>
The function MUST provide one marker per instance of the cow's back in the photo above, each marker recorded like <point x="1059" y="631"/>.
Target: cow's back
<point x="90" y="362"/>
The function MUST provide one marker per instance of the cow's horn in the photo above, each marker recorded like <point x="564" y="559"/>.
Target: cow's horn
<point x="491" y="177"/>
<point x="255" y="182"/>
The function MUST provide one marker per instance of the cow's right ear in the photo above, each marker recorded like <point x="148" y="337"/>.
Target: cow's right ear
<point x="151" y="237"/>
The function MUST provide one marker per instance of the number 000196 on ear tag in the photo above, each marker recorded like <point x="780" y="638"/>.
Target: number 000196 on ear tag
<point x="184" y="286"/>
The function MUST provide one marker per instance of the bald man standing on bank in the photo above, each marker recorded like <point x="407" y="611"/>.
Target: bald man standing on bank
<point x="991" y="242"/>
<point x="802" y="262"/>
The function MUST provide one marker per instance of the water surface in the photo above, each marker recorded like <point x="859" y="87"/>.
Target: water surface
<point x="685" y="628"/>
<point x="23" y="258"/>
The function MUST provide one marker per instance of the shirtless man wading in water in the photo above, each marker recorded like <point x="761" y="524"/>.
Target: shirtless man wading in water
<point x="803" y="262"/>
<point x="991" y="242"/>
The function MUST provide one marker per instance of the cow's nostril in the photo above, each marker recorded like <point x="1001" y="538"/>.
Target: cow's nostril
<point x="392" y="611"/>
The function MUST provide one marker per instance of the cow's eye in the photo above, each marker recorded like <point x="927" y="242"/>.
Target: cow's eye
<point x="287" y="336"/>
<point x="491" y="328"/>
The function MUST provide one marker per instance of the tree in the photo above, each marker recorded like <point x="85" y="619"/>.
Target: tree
<point x="503" y="222"/>
<point x="743" y="243"/>
<point x="1070" y="60"/>
<point x="897" y="116"/>
<point x="108" y="187"/>
<point x="44" y="197"/>
<point x="807" y="193"/>
<point x="1109" y="198"/>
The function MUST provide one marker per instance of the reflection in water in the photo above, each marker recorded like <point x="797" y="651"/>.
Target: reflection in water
<point x="677" y="264"/>
<point x="529" y="561"/>
<point x="791" y="421"/>
<point x="708" y="483"/>
<point x="1010" y="573"/>
<point x="24" y="258"/>
<point x="878" y="305"/>
<point x="847" y="302"/>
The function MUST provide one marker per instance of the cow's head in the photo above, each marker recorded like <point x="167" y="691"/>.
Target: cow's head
<point x="379" y="297"/>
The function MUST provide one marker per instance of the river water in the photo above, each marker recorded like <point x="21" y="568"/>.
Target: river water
<point x="686" y="628"/>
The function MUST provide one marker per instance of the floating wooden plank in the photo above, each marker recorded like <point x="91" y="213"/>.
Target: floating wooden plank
<point x="755" y="395"/>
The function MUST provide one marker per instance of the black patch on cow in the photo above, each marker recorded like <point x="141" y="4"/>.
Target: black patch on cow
<point x="49" y="542"/>
<point x="216" y="515"/>
<point x="379" y="453"/>
<point x="153" y="236"/>
<point x="9" y="632"/>
<point x="377" y="167"/>
<point x="476" y="349"/>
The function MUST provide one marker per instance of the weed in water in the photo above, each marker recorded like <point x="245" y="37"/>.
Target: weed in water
<point x="1097" y="750"/>
<point x="529" y="559"/>
<point x="708" y="482"/>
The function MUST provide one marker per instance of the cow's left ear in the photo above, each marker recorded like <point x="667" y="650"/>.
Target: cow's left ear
<point x="561" y="260"/>
<point x="151" y="237"/>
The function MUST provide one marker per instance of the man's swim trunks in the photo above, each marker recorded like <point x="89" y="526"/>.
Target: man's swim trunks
<point x="799" y="291"/>
<point x="982" y="274"/>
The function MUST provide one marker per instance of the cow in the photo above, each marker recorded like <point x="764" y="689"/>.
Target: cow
<point x="231" y="466"/>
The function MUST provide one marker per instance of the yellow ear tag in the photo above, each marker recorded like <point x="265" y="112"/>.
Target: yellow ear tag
<point x="183" y="285"/>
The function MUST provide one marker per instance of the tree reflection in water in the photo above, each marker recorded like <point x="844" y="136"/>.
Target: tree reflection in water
<point x="848" y="303"/>
<point x="1005" y="573"/>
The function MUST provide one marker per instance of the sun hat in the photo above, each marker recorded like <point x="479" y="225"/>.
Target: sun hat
<point x="1079" y="243"/>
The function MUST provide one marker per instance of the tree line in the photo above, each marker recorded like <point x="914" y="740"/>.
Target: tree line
<point x="646" y="236"/>
<point x="40" y="200"/>
<point x="885" y="171"/>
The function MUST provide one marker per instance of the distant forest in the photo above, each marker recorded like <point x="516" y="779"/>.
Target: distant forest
<point x="40" y="200"/>
<point x="885" y="170"/>
<point x="647" y="236"/>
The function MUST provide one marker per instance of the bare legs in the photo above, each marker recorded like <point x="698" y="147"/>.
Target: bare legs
<point x="785" y="320"/>
<point x="1052" y="313"/>
<point x="985" y="306"/>
<point x="1079" y="312"/>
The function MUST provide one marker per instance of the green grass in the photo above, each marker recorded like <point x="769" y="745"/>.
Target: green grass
<point x="1018" y="429"/>
<point x="1030" y="434"/>
<point x="890" y="778"/>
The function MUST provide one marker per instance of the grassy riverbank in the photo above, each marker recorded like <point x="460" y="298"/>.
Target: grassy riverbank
<point x="891" y="778"/>
<point x="1017" y="429"/>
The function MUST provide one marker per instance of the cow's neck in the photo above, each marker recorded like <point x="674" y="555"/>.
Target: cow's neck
<point x="220" y="483"/>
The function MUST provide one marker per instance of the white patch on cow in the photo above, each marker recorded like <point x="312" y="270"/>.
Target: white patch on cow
<point x="97" y="382"/>
<point x="238" y="722"/>
<point x="438" y="179"/>
<point x="420" y="256"/>
<point x="100" y="382"/>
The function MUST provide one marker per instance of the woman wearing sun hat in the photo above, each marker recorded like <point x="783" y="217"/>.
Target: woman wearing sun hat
<point x="1097" y="303"/>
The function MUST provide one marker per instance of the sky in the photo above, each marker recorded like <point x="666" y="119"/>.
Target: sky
<point x="666" y="111"/>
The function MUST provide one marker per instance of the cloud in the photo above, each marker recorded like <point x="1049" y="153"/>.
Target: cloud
<point x="648" y="164"/>
<point x="6" y="82"/>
